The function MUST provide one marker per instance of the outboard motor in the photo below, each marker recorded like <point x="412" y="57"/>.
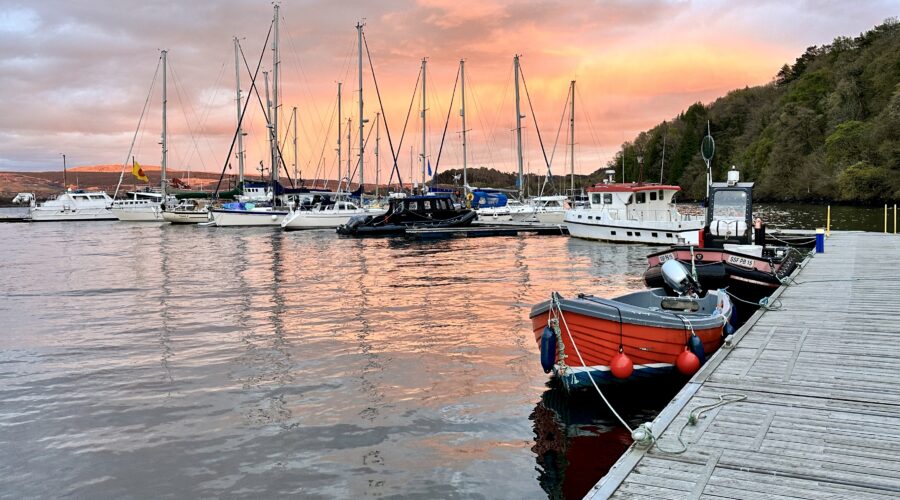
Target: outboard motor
<point x="676" y="275"/>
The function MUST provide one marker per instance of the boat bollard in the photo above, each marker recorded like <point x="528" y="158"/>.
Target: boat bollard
<point x="828" y="223"/>
<point x="820" y="240"/>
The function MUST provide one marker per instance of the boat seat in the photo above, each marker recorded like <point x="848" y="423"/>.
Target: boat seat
<point x="686" y="304"/>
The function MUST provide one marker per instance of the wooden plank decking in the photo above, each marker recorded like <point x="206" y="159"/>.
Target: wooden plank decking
<point x="822" y="381"/>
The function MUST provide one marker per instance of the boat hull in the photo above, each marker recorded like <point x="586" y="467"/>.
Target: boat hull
<point x="185" y="217"/>
<point x="652" y="339"/>
<point x="138" y="214"/>
<point x="366" y="227"/>
<point x="81" y="214"/>
<point x="542" y="217"/>
<point x="300" y="220"/>
<point x="633" y="231"/>
<point x="243" y="218"/>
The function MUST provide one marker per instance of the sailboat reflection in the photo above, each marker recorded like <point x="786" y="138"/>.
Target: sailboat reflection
<point x="577" y="439"/>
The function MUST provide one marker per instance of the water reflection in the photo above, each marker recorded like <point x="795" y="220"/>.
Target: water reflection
<point x="577" y="439"/>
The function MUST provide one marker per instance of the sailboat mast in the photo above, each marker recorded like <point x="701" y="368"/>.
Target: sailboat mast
<point x="240" y="132"/>
<point x="424" y="156"/>
<point x="269" y="126"/>
<point x="349" y="129"/>
<point x="572" y="135"/>
<point x="462" y="114"/>
<point x="294" y="120"/>
<point x="165" y="149"/>
<point x="340" y="125"/>
<point x="377" y="140"/>
<point x="362" y="150"/>
<point x="518" y="127"/>
<point x="275" y="73"/>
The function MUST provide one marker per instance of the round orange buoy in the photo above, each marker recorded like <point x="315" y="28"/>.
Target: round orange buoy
<point x="687" y="362"/>
<point x="621" y="365"/>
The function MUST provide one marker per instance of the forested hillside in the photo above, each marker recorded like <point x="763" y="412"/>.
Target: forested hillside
<point x="826" y="128"/>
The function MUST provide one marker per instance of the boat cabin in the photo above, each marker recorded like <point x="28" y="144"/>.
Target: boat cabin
<point x="422" y="205"/>
<point x="633" y="200"/>
<point x="729" y="216"/>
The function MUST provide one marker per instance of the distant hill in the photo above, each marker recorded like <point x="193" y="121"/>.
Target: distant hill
<point x="826" y="128"/>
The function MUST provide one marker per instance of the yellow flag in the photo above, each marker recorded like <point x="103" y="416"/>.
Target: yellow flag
<point x="138" y="172"/>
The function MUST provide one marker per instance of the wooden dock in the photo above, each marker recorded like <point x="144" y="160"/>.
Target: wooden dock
<point x="821" y="378"/>
<point x="483" y="230"/>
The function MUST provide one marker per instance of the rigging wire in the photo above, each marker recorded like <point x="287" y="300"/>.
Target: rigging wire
<point x="246" y="103"/>
<point x="136" y="130"/>
<point x="446" y="124"/>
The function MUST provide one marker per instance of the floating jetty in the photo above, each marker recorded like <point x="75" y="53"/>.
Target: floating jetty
<point x="820" y="371"/>
<point x="483" y="230"/>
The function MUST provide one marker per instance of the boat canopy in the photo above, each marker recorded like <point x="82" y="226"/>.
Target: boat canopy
<point x="484" y="198"/>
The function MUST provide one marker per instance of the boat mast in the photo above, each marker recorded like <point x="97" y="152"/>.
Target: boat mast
<point x="462" y="114"/>
<point x="518" y="128"/>
<point x="65" y="174"/>
<point x="340" y="125"/>
<point x="362" y="179"/>
<point x="269" y="127"/>
<point x="377" y="140"/>
<point x="240" y="132"/>
<point x="275" y="63"/>
<point x="165" y="150"/>
<point x="424" y="158"/>
<point x="572" y="135"/>
<point x="349" y="145"/>
<point x="294" y="120"/>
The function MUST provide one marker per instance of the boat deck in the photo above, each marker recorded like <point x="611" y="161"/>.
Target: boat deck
<point x="821" y="376"/>
<point x="482" y="230"/>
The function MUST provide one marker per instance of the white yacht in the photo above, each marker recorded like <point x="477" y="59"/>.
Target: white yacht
<point x="139" y="206"/>
<point x="326" y="215"/>
<point x="187" y="212"/>
<point x="75" y="205"/>
<point x="633" y="213"/>
<point x="543" y="209"/>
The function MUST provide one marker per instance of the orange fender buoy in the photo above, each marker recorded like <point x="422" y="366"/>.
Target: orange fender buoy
<point x="687" y="362"/>
<point x="621" y="365"/>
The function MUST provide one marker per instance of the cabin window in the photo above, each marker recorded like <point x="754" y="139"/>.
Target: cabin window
<point x="654" y="235"/>
<point x="596" y="198"/>
<point x="607" y="198"/>
<point x="668" y="235"/>
<point x="729" y="204"/>
<point x="652" y="195"/>
<point x="427" y="204"/>
<point x="640" y="197"/>
<point x="579" y="216"/>
<point x="660" y="194"/>
<point x="637" y="233"/>
<point x="612" y="233"/>
<point x="590" y="217"/>
<point x="628" y="233"/>
<point x="413" y="206"/>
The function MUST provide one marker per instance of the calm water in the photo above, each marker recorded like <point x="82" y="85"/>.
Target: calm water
<point x="145" y="360"/>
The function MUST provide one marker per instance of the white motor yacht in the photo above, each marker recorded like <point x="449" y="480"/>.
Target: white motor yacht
<point x="75" y="205"/>
<point x="139" y="206"/>
<point x="633" y="213"/>
<point x="543" y="209"/>
<point x="326" y="215"/>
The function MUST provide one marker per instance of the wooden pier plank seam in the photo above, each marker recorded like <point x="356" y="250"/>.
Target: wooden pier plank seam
<point x="822" y="380"/>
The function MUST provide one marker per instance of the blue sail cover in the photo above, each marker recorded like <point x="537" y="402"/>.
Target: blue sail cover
<point x="488" y="199"/>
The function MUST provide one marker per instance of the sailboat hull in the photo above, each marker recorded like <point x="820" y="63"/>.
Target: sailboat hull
<point x="138" y="214"/>
<point x="239" y="218"/>
<point x="186" y="217"/>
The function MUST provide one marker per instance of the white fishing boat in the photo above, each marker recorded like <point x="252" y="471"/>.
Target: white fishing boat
<point x="543" y="209"/>
<point x="633" y="213"/>
<point x="187" y="212"/>
<point x="140" y="206"/>
<point x="75" y="205"/>
<point x="326" y="215"/>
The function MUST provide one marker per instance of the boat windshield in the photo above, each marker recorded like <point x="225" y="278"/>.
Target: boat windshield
<point x="730" y="204"/>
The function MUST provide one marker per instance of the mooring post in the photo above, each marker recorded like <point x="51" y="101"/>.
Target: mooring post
<point x="820" y="240"/>
<point x="828" y="223"/>
<point x="885" y="218"/>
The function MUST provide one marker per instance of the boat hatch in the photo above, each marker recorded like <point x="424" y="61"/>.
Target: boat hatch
<point x="680" y="304"/>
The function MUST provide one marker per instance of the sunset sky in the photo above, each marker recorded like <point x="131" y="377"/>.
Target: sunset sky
<point x="75" y="74"/>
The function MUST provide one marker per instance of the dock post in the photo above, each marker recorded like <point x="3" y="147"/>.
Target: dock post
<point x="820" y="240"/>
<point x="885" y="218"/>
<point x="895" y="218"/>
<point x="828" y="223"/>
